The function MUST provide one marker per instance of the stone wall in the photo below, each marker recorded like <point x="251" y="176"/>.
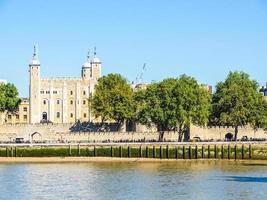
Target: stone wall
<point x="218" y="133"/>
<point x="61" y="132"/>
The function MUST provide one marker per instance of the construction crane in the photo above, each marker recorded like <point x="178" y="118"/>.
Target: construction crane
<point x="140" y="77"/>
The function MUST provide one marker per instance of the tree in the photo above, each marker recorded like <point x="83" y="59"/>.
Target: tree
<point x="237" y="102"/>
<point x="155" y="106"/>
<point x="8" y="97"/>
<point x="193" y="104"/>
<point x="113" y="99"/>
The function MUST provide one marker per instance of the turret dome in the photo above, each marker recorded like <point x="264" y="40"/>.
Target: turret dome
<point x="95" y="60"/>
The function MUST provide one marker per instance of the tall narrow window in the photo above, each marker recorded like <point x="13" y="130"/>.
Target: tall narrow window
<point x="58" y="114"/>
<point x="71" y="115"/>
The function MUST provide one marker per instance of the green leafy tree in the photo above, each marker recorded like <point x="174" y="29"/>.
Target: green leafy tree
<point x="113" y="99"/>
<point x="173" y="104"/>
<point x="156" y="106"/>
<point x="8" y="97"/>
<point x="237" y="102"/>
<point x="192" y="105"/>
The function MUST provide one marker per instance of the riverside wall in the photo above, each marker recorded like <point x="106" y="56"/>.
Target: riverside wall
<point x="61" y="132"/>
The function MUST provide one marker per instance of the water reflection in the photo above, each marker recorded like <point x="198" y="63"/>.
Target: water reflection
<point x="247" y="179"/>
<point x="118" y="180"/>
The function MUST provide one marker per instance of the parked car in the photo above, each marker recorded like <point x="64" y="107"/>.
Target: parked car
<point x="244" y="138"/>
<point x="19" y="140"/>
<point x="196" y="139"/>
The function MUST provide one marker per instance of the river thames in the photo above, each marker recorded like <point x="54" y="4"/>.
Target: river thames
<point x="135" y="180"/>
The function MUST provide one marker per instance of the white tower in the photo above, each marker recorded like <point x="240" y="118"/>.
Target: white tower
<point x="34" y="89"/>
<point x="96" y="67"/>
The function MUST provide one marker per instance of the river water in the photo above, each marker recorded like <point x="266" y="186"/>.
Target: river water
<point x="117" y="180"/>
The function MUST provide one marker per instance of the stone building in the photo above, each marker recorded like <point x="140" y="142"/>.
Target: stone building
<point x="263" y="90"/>
<point x="61" y="100"/>
<point x="21" y="116"/>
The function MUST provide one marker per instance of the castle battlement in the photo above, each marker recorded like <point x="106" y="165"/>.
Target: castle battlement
<point x="61" y="79"/>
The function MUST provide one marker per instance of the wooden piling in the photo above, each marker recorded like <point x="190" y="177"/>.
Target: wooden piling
<point x="202" y="152"/>
<point x="79" y="150"/>
<point x="235" y="149"/>
<point x="6" y="151"/>
<point x="129" y="152"/>
<point x="250" y="151"/>
<point x="222" y="152"/>
<point x="196" y="156"/>
<point x="120" y="149"/>
<point x="147" y="152"/>
<point x="154" y="152"/>
<point x="15" y="151"/>
<point x="11" y="151"/>
<point x="167" y="152"/>
<point x="140" y="151"/>
<point x="95" y="151"/>
<point x="208" y="151"/>
<point x="215" y="151"/>
<point x="189" y="152"/>
<point x="229" y="152"/>
<point x="69" y="150"/>
<point x="111" y="151"/>
<point x="160" y="152"/>
<point x="183" y="152"/>
<point x="242" y="151"/>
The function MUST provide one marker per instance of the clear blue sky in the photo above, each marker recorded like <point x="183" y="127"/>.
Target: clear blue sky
<point x="204" y="39"/>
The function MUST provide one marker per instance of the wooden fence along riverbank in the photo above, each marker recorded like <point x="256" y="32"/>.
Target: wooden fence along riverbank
<point x="132" y="150"/>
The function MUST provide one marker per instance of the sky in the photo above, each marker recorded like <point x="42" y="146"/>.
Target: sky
<point x="204" y="39"/>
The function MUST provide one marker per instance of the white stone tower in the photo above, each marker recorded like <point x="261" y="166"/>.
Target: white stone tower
<point x="34" y="89"/>
<point x="96" y="67"/>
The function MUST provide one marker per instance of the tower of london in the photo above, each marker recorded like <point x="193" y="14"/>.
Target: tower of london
<point x="61" y="100"/>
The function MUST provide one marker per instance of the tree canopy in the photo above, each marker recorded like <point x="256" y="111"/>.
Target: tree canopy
<point x="8" y="97"/>
<point x="112" y="99"/>
<point x="156" y="105"/>
<point x="173" y="103"/>
<point x="237" y="102"/>
<point x="193" y="104"/>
